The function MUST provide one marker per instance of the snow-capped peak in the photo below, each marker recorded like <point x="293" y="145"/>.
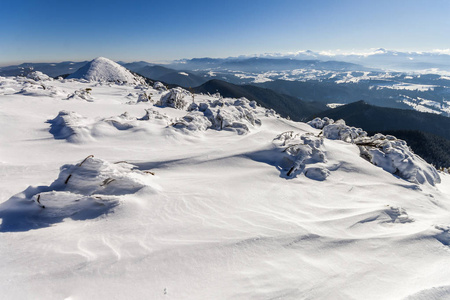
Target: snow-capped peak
<point x="105" y="70"/>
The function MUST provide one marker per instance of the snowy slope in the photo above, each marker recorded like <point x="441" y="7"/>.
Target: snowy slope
<point x="193" y="201"/>
<point x="105" y="70"/>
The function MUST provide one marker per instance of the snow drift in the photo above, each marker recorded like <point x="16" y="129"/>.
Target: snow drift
<point x="82" y="191"/>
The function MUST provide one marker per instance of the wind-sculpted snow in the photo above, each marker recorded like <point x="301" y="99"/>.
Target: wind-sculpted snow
<point x="387" y="152"/>
<point x="76" y="128"/>
<point x="86" y="190"/>
<point x="304" y="154"/>
<point x="70" y="126"/>
<point x="221" y="203"/>
<point x="221" y="114"/>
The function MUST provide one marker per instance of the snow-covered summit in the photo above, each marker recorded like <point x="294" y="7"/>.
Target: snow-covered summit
<point x="105" y="70"/>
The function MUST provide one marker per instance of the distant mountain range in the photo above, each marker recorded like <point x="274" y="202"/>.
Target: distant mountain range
<point x="377" y="58"/>
<point x="259" y="64"/>
<point x="51" y="69"/>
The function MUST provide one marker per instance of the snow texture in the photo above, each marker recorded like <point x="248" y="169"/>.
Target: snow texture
<point x="221" y="219"/>
<point x="70" y="126"/>
<point x="82" y="191"/>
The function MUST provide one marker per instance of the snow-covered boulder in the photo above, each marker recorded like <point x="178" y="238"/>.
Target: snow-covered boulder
<point x="223" y="114"/>
<point x="387" y="152"/>
<point x="303" y="154"/>
<point x="82" y="94"/>
<point x="177" y="98"/>
<point x="394" y="156"/>
<point x="70" y="126"/>
<point x="319" y="123"/>
<point x="194" y="121"/>
<point x="38" y="76"/>
<point x="154" y="115"/>
<point x="339" y="131"/>
<point x="159" y="86"/>
<point x="105" y="70"/>
<point x="84" y="190"/>
<point x="144" y="97"/>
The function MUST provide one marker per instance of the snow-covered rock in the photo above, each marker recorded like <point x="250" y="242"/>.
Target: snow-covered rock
<point x="159" y="86"/>
<point x="319" y="123"/>
<point x="223" y="114"/>
<point x="177" y="98"/>
<point x="303" y="154"/>
<point x="387" y="152"/>
<point x="83" y="94"/>
<point x="154" y="115"/>
<point x="144" y="97"/>
<point x="38" y="76"/>
<point x="105" y="70"/>
<point x="396" y="157"/>
<point x="339" y="131"/>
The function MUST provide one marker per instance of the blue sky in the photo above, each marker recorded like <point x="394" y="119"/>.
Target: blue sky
<point x="163" y="30"/>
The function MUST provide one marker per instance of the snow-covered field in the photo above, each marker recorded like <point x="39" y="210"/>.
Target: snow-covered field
<point x="194" y="201"/>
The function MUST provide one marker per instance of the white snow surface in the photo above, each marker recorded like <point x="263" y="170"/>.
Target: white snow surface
<point x="105" y="70"/>
<point x="161" y="212"/>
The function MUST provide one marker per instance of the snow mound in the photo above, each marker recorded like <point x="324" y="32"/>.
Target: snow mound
<point x="122" y="122"/>
<point x="230" y="114"/>
<point x="387" y="152"/>
<point x="396" y="157"/>
<point x="175" y="98"/>
<point x="38" y="76"/>
<point x="105" y="70"/>
<point x="83" y="94"/>
<point x="82" y="191"/>
<point x="303" y="154"/>
<point x="70" y="126"/>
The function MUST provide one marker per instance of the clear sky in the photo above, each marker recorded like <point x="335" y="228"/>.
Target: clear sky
<point x="57" y="30"/>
